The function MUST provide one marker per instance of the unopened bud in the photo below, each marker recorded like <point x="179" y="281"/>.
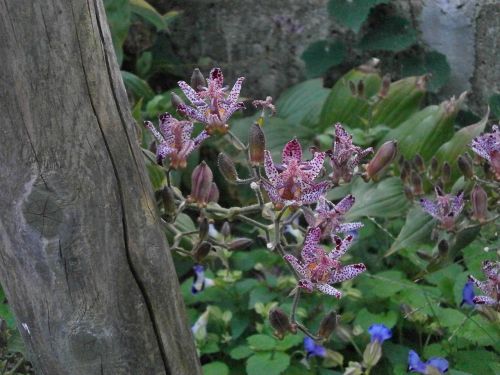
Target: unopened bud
<point x="280" y="322"/>
<point x="226" y="229"/>
<point x="361" y="88"/>
<point x="168" y="200"/>
<point x="372" y="354"/>
<point x="408" y="193"/>
<point x="465" y="165"/>
<point x="439" y="184"/>
<point x="416" y="182"/>
<point x="404" y="175"/>
<point x="227" y="168"/>
<point x="239" y="243"/>
<point x="479" y="200"/>
<point x="443" y="247"/>
<point x="197" y="80"/>
<point x="176" y="100"/>
<point x="201" y="184"/>
<point x="201" y="251"/>
<point x="386" y="84"/>
<point x="434" y="167"/>
<point x="256" y="145"/>
<point x="352" y="87"/>
<point x="384" y="156"/>
<point x="419" y="163"/>
<point x="203" y="230"/>
<point x="328" y="325"/>
<point x="446" y="172"/>
<point x="213" y="195"/>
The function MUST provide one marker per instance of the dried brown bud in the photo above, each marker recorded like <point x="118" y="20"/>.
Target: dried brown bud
<point x="443" y="247"/>
<point x="384" y="156"/>
<point x="201" y="184"/>
<point x="446" y="172"/>
<point x="280" y="322"/>
<point x="416" y="182"/>
<point x="240" y="243"/>
<point x="256" y="145"/>
<point x="226" y="229"/>
<point x="352" y="87"/>
<point x="434" y="167"/>
<point x="213" y="195"/>
<point x="197" y="80"/>
<point x="168" y="200"/>
<point x="386" y="84"/>
<point x="201" y="251"/>
<point x="328" y="325"/>
<point x="465" y="165"/>
<point x="479" y="200"/>
<point x="175" y="100"/>
<point x="408" y="193"/>
<point x="419" y="163"/>
<point x="227" y="168"/>
<point x="404" y="175"/>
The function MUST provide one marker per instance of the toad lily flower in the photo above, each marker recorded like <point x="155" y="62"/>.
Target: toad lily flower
<point x="212" y="106"/>
<point x="488" y="147"/>
<point x="490" y="287"/>
<point x="445" y="209"/>
<point x="344" y="156"/>
<point x="319" y="269"/>
<point x="174" y="140"/>
<point x="434" y="366"/>
<point x="329" y="217"/>
<point x="291" y="184"/>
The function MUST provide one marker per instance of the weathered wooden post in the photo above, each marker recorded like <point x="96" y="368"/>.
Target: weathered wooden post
<point x="83" y="260"/>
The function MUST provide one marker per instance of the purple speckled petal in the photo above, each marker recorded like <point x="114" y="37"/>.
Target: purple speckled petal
<point x="311" y="168"/>
<point x="191" y="94"/>
<point x="484" y="300"/>
<point x="341" y="246"/>
<point x="457" y="204"/>
<point x="347" y="273"/>
<point x="310" y="244"/>
<point x="328" y="289"/>
<point x="345" y="204"/>
<point x="314" y="192"/>
<point x="292" y="151"/>
<point x="152" y="129"/>
<point x="272" y="192"/>
<point x="348" y="227"/>
<point x="271" y="171"/>
<point x="295" y="264"/>
<point x="430" y="207"/>
<point x="192" y="113"/>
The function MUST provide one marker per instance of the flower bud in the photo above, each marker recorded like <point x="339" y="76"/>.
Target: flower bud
<point x="384" y="156"/>
<point x="168" y="201"/>
<point x="386" y="84"/>
<point x="256" y="145"/>
<point x="213" y="195"/>
<point x="372" y="354"/>
<point x="197" y="80"/>
<point x="280" y="322"/>
<point x="226" y="229"/>
<point x="434" y="167"/>
<point x="201" y="184"/>
<point x="419" y="163"/>
<point x="201" y="251"/>
<point x="239" y="243"/>
<point x="352" y="87"/>
<point x="443" y="247"/>
<point x="408" y="193"/>
<point x="465" y="165"/>
<point x="403" y="175"/>
<point x="175" y="100"/>
<point x="328" y="325"/>
<point x="203" y="229"/>
<point x="416" y="182"/>
<point x="446" y="172"/>
<point x="227" y="168"/>
<point x="479" y="200"/>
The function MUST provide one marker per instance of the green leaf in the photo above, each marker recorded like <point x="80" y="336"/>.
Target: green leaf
<point x="267" y="363"/>
<point x="476" y="361"/>
<point x="147" y="13"/>
<point x="241" y="352"/>
<point x="365" y="319"/>
<point x="388" y="283"/>
<point x="239" y="323"/>
<point x="416" y="230"/>
<point x="494" y="103"/>
<point x="433" y="63"/>
<point x="118" y="16"/>
<point x="352" y="13"/>
<point x="391" y="34"/>
<point x="261" y="342"/>
<point x="289" y="342"/>
<point x="215" y="368"/>
<point x="137" y="86"/>
<point x="321" y="55"/>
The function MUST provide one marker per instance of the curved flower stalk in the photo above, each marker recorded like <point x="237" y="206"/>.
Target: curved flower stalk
<point x="490" y="287"/>
<point x="291" y="183"/>
<point x="320" y="269"/>
<point x="488" y="147"/>
<point x="174" y="140"/>
<point x="435" y="365"/>
<point x="330" y="217"/>
<point x="344" y="155"/>
<point x="211" y="105"/>
<point x="445" y="209"/>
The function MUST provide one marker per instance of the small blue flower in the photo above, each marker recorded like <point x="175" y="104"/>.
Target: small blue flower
<point x="468" y="294"/>
<point x="200" y="282"/>
<point x="312" y="349"/>
<point x="416" y="365"/>
<point x="379" y="332"/>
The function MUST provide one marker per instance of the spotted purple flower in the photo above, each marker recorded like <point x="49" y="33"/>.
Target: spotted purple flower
<point x="211" y="105"/>
<point x="319" y="269"/>
<point x="174" y="140"/>
<point x="330" y="217"/>
<point x="490" y="287"/>
<point x="312" y="349"/>
<point x="344" y="156"/>
<point x="200" y="282"/>
<point x="445" y="209"/>
<point x="488" y="147"/>
<point x="468" y="294"/>
<point x="379" y="332"/>
<point x="416" y="365"/>
<point x="291" y="183"/>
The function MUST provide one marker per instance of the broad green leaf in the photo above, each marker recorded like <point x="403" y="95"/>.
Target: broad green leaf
<point x="449" y="318"/>
<point x="388" y="283"/>
<point x="261" y="342"/>
<point x="241" y="352"/>
<point x="215" y="368"/>
<point x="184" y="223"/>
<point x="365" y="319"/>
<point x="433" y="63"/>
<point x="118" y="16"/>
<point x="391" y="34"/>
<point x="352" y="13"/>
<point x="239" y="324"/>
<point x="147" y="13"/>
<point x="321" y="55"/>
<point x="267" y="363"/>
<point x="260" y="294"/>
<point x="137" y="86"/>
<point x="416" y="230"/>
<point x="302" y="103"/>
<point x="494" y="103"/>
<point x="289" y="342"/>
<point x="156" y="175"/>
<point x="476" y="361"/>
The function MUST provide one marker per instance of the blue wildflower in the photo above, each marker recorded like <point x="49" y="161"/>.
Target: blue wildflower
<point x="379" y="332"/>
<point x="416" y="365"/>
<point x="312" y="349"/>
<point x="468" y="294"/>
<point x="199" y="280"/>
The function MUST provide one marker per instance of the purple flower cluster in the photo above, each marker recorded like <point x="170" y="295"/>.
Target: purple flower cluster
<point x="445" y="208"/>
<point x="490" y="287"/>
<point x="488" y="147"/>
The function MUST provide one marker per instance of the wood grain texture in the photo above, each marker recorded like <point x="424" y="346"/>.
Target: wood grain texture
<point x="83" y="261"/>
